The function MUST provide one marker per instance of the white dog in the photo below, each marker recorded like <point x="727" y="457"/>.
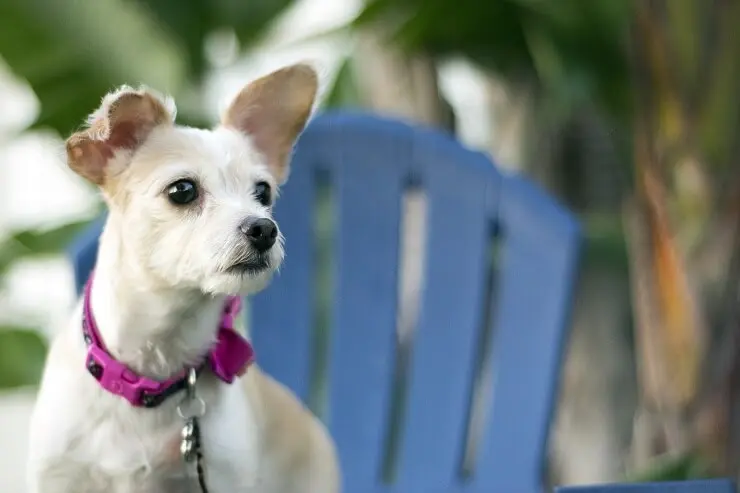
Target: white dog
<point x="150" y="343"/>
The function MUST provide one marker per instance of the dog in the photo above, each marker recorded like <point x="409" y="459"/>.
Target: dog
<point x="189" y="230"/>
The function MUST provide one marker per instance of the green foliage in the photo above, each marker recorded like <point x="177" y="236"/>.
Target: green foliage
<point x="344" y="91"/>
<point x="193" y="21"/>
<point x="72" y="52"/>
<point x="22" y="349"/>
<point x="37" y="243"/>
<point x="22" y="353"/>
<point x="569" y="50"/>
<point x="674" y="468"/>
<point x="605" y="241"/>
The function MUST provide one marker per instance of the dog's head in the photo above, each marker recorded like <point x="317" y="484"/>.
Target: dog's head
<point x="193" y="207"/>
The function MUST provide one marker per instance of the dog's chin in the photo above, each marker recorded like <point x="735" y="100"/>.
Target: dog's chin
<point x="251" y="268"/>
<point x="243" y="278"/>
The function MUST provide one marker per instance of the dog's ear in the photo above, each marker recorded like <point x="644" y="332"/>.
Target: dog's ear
<point x="272" y="112"/>
<point x="114" y="131"/>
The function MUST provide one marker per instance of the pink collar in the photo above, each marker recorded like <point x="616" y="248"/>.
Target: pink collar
<point x="229" y="357"/>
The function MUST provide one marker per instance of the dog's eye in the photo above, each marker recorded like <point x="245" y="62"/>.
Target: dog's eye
<point x="182" y="192"/>
<point x="262" y="193"/>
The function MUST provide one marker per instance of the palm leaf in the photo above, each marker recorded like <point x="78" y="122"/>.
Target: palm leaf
<point x="36" y="243"/>
<point x="22" y="354"/>
<point x="344" y="91"/>
<point x="72" y="52"/>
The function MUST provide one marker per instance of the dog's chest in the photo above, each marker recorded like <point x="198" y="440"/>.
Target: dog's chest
<point x="229" y="444"/>
<point x="146" y="452"/>
<point x="118" y="449"/>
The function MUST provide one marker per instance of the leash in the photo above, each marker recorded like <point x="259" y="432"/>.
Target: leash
<point x="191" y="409"/>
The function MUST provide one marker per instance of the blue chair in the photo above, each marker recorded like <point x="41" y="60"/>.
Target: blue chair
<point x="499" y="269"/>
<point x="695" y="486"/>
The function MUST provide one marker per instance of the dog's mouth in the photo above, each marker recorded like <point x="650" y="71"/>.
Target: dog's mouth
<point x="251" y="267"/>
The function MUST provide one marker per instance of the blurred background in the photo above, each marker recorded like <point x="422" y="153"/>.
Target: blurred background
<point x="627" y="112"/>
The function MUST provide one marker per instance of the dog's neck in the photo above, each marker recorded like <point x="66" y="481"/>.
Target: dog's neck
<point x="153" y="329"/>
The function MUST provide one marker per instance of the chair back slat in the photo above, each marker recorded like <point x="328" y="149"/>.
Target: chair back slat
<point x="539" y="256"/>
<point x="368" y="185"/>
<point x="461" y="189"/>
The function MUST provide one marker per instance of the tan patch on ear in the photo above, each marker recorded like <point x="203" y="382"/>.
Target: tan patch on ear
<point x="273" y="110"/>
<point x="122" y="123"/>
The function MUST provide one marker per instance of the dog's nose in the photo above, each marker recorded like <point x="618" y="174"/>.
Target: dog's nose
<point x="262" y="233"/>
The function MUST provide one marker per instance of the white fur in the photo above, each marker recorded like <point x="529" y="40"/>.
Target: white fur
<point x="159" y="287"/>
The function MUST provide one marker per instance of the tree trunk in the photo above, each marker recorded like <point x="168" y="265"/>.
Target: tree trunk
<point x="398" y="84"/>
